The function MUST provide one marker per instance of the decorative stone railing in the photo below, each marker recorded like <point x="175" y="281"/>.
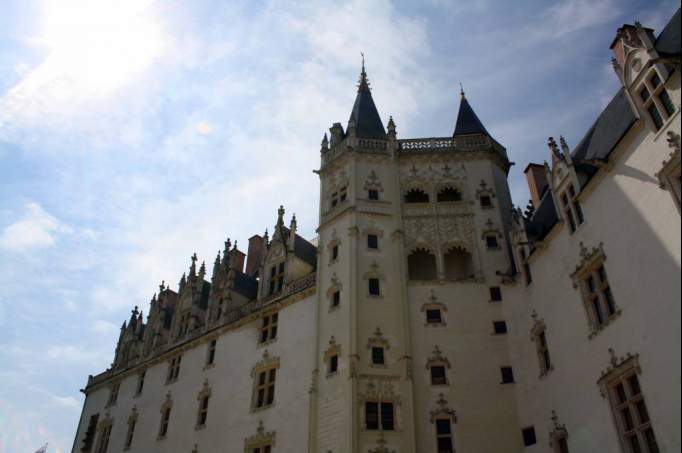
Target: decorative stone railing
<point x="425" y="144"/>
<point x="292" y="288"/>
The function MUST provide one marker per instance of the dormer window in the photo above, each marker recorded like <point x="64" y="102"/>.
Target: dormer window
<point x="572" y="210"/>
<point x="656" y="100"/>
<point x="276" y="278"/>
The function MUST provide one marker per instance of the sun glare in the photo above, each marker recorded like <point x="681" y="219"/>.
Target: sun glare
<point x="100" y="44"/>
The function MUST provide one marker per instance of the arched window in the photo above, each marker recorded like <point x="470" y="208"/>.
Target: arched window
<point x="416" y="196"/>
<point x="421" y="265"/>
<point x="458" y="264"/>
<point x="449" y="194"/>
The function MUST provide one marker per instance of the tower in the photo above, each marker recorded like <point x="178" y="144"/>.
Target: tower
<point x="413" y="247"/>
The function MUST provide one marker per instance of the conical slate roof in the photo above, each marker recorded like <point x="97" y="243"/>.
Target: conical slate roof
<point x="467" y="121"/>
<point x="365" y="115"/>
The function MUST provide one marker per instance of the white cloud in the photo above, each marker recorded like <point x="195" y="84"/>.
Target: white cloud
<point x="35" y="229"/>
<point x="71" y="354"/>
<point x="105" y="327"/>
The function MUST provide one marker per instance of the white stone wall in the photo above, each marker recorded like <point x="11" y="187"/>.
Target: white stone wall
<point x="230" y="418"/>
<point x="639" y="226"/>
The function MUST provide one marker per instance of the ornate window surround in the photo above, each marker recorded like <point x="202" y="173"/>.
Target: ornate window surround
<point x="539" y="328"/>
<point x="335" y="242"/>
<point x="670" y="172"/>
<point x="260" y="439"/>
<point x="373" y="183"/>
<point x="433" y="304"/>
<point x="373" y="229"/>
<point x="380" y="391"/>
<point x="437" y="359"/>
<point x="334" y="349"/>
<point x="267" y="363"/>
<point x="132" y="421"/>
<point x="335" y="286"/>
<point x="373" y="272"/>
<point x="167" y="406"/>
<point x="482" y="191"/>
<point x="590" y="260"/>
<point x="443" y="410"/>
<point x="377" y="340"/>
<point x="557" y="434"/>
<point x="204" y="393"/>
<point x="491" y="230"/>
<point x="104" y="429"/>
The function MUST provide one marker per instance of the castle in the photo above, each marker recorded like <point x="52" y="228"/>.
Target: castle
<point x="430" y="314"/>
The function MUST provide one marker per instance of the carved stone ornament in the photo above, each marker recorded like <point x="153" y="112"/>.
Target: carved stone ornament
<point x="558" y="431"/>
<point x="333" y="349"/>
<point x="205" y="391"/>
<point x="379" y="390"/>
<point x="490" y="230"/>
<point x="587" y="258"/>
<point x="437" y="358"/>
<point x="617" y="367"/>
<point x="378" y="339"/>
<point x="381" y="445"/>
<point x="669" y="174"/>
<point x="483" y="189"/>
<point x="373" y="183"/>
<point x="266" y="362"/>
<point x="443" y="410"/>
<point x="260" y="439"/>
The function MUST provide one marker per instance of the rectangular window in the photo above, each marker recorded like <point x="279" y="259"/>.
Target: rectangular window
<point x="130" y="434"/>
<point x="203" y="411"/>
<point x="335" y="252"/>
<point x="374" y="287"/>
<point x="434" y="316"/>
<point x="562" y="445"/>
<point x="495" y="294"/>
<point x="491" y="242"/>
<point x="113" y="394"/>
<point x="265" y="388"/>
<point x="438" y="375"/>
<point x="276" y="278"/>
<point x="89" y="438"/>
<point x="444" y="436"/>
<point x="486" y="202"/>
<point x="655" y="116"/>
<point x="529" y="436"/>
<point x="507" y="375"/>
<point x="568" y="213"/>
<point x="377" y="355"/>
<point x="542" y="350"/>
<point x="528" y="277"/>
<point x="336" y="298"/>
<point x="165" y="418"/>
<point x="342" y="194"/>
<point x="598" y="297"/>
<point x="644" y="94"/>
<point x="268" y="331"/>
<point x="173" y="369"/>
<point x="335" y="200"/>
<point x="387" y="416"/>
<point x="371" y="415"/>
<point x="210" y="356"/>
<point x="373" y="194"/>
<point x="372" y="241"/>
<point x="500" y="327"/>
<point x="333" y="364"/>
<point x="105" y="434"/>
<point x="632" y="417"/>
<point x="262" y="449"/>
<point x="668" y="105"/>
<point x="140" y="382"/>
<point x="379" y="414"/>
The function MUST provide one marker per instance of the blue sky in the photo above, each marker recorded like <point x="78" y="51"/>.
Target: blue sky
<point x="134" y="135"/>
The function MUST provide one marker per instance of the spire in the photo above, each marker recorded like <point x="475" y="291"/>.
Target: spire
<point x="280" y="216"/>
<point x="364" y="115"/>
<point x="467" y="121"/>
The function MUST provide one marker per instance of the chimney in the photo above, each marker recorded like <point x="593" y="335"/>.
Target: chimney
<point x="537" y="182"/>
<point x="255" y="254"/>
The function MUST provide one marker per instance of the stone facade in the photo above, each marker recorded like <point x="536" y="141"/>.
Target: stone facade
<point x="432" y="315"/>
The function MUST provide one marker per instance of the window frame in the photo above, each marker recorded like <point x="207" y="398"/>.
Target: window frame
<point x="173" y="372"/>
<point x="449" y="436"/>
<point x="265" y="379"/>
<point x="381" y="410"/>
<point x="269" y="328"/>
<point x="653" y="102"/>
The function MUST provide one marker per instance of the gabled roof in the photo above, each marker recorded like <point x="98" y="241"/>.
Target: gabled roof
<point x="364" y="114"/>
<point x="606" y="132"/>
<point x="668" y="42"/>
<point x="245" y="285"/>
<point x="302" y="248"/>
<point x="467" y="121"/>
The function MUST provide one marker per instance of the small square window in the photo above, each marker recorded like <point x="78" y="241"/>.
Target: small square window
<point x="491" y="242"/>
<point x="495" y="294"/>
<point x="486" y="202"/>
<point x="373" y="194"/>
<point x="374" y="287"/>
<point x="378" y="356"/>
<point x="372" y="241"/>
<point x="655" y="80"/>
<point x="529" y="436"/>
<point x="500" y="327"/>
<point x="434" y="316"/>
<point x="507" y="375"/>
<point x="644" y="94"/>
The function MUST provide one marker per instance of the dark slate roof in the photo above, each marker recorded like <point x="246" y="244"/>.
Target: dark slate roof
<point x="613" y="122"/>
<point x="365" y="115"/>
<point x="467" y="121"/>
<point x="543" y="219"/>
<point x="302" y="248"/>
<point x="245" y="285"/>
<point x="668" y="42"/>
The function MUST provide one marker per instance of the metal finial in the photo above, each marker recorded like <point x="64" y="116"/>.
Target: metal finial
<point x="461" y="89"/>
<point x="363" y="61"/>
